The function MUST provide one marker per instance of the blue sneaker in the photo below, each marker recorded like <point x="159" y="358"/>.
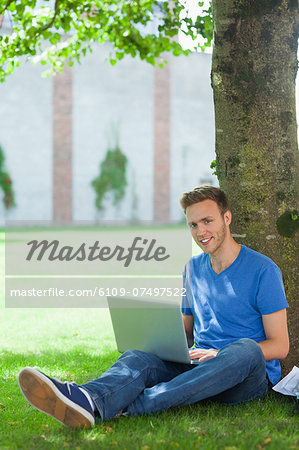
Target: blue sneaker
<point x="63" y="401"/>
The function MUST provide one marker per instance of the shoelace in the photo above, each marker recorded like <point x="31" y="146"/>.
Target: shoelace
<point x="66" y="383"/>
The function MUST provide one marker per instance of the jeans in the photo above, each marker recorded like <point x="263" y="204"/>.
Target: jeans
<point x="141" y="383"/>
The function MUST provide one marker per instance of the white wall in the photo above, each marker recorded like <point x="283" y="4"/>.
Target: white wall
<point x="103" y="95"/>
<point x="192" y="126"/>
<point x="26" y="137"/>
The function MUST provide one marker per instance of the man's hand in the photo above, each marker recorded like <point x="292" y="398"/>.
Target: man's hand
<point x="202" y="354"/>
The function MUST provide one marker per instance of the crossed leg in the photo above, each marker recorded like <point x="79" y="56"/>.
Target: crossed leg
<point x="141" y="383"/>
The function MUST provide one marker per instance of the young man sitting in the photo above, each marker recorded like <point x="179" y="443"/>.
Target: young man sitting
<point x="234" y="312"/>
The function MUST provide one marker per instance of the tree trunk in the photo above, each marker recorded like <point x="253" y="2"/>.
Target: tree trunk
<point x="253" y="77"/>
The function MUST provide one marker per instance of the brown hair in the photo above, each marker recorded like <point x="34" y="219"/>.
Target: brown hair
<point x="205" y="192"/>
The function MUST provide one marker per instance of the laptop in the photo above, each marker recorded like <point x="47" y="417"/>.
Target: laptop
<point x="153" y="326"/>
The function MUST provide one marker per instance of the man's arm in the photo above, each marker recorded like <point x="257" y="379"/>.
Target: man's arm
<point x="197" y="353"/>
<point x="188" y="324"/>
<point x="276" y="345"/>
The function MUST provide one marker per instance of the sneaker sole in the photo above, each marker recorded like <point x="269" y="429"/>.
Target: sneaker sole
<point x="42" y="393"/>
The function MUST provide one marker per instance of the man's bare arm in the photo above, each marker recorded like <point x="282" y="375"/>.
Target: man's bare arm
<point x="197" y="353"/>
<point x="188" y="324"/>
<point x="276" y="345"/>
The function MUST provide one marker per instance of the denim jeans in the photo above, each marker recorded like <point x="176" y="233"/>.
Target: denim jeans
<point x="141" y="383"/>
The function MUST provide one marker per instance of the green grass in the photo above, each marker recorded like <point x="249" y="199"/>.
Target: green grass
<point x="78" y="345"/>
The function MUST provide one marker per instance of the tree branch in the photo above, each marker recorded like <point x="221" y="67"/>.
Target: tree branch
<point x="2" y="11"/>
<point x="54" y="17"/>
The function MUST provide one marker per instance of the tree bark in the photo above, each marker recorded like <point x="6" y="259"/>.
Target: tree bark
<point x="253" y="78"/>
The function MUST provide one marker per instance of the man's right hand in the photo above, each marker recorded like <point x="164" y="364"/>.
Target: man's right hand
<point x="202" y="354"/>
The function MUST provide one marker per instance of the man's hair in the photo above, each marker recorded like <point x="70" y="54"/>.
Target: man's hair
<point x="205" y="192"/>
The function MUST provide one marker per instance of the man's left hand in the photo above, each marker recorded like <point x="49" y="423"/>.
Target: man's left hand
<point x="202" y="354"/>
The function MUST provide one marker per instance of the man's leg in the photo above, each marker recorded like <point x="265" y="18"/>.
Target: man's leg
<point x="239" y="363"/>
<point x="77" y="406"/>
<point x="123" y="382"/>
<point x="141" y="383"/>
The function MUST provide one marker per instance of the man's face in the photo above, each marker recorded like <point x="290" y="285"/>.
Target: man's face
<point x="209" y="228"/>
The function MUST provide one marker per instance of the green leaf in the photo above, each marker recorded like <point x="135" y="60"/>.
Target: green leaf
<point x="213" y="166"/>
<point x="96" y="21"/>
<point x="177" y="52"/>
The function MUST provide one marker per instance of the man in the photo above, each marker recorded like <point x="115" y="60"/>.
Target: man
<point x="234" y="312"/>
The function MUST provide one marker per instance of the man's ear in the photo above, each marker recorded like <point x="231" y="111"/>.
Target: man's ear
<point x="227" y="217"/>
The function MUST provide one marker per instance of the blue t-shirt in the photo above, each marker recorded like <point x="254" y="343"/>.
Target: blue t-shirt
<point x="229" y="306"/>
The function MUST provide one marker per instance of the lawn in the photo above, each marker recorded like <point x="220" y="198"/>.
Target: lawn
<point x="78" y="344"/>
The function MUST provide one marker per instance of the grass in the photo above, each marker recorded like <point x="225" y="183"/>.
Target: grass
<point x="77" y="344"/>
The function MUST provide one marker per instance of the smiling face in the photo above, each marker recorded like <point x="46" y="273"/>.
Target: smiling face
<point x="209" y="228"/>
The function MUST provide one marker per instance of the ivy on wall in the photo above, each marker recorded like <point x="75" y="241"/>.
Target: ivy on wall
<point x="6" y="183"/>
<point x="112" y="177"/>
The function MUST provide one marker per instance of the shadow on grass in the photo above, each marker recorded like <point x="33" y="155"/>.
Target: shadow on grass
<point x="202" y="425"/>
<point x="74" y="362"/>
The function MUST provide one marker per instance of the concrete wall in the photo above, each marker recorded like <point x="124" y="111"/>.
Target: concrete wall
<point x="26" y="137"/>
<point x="192" y="130"/>
<point x="102" y="96"/>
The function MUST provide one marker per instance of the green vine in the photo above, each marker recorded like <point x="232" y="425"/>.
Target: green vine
<point x="6" y="183"/>
<point x="112" y="177"/>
